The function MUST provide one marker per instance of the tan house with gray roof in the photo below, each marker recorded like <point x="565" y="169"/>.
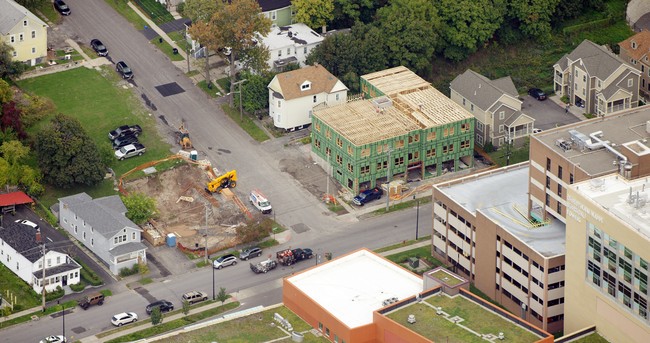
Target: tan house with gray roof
<point x="294" y="94"/>
<point x="635" y="50"/>
<point x="24" y="32"/>
<point x="496" y="106"/>
<point x="596" y="80"/>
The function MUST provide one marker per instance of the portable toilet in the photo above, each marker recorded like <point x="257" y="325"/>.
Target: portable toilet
<point x="194" y="155"/>
<point x="171" y="240"/>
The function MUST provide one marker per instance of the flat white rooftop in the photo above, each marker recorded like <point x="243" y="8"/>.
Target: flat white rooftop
<point x="291" y="35"/>
<point x="499" y="195"/>
<point x="355" y="285"/>
<point x="629" y="200"/>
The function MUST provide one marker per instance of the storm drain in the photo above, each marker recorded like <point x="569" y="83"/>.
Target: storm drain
<point x="169" y="89"/>
<point x="78" y="330"/>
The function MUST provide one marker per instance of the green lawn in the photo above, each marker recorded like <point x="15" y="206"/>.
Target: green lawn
<point x="246" y="123"/>
<point x="121" y="7"/>
<point x="253" y="328"/>
<point x="166" y="49"/>
<point x="519" y="155"/>
<point x="179" y="38"/>
<point x="25" y="295"/>
<point x="593" y="338"/>
<point x="477" y="318"/>
<point x="155" y="10"/>
<point x="94" y="99"/>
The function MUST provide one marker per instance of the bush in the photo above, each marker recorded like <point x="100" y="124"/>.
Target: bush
<point x="59" y="292"/>
<point x="78" y="287"/>
<point x="124" y="272"/>
<point x="89" y="276"/>
<point x="180" y="8"/>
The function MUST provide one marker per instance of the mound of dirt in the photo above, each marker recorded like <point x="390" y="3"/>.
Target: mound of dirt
<point x="182" y="203"/>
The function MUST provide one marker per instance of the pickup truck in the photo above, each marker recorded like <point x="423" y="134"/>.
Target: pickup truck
<point x="367" y="196"/>
<point x="264" y="266"/>
<point x="302" y="254"/>
<point x="130" y="151"/>
<point x="125" y="130"/>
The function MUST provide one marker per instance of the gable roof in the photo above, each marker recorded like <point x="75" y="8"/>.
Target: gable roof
<point x="12" y="14"/>
<point x="596" y="59"/>
<point x="642" y="40"/>
<point x="270" y="5"/>
<point x="482" y="91"/>
<point x="21" y="238"/>
<point x="322" y="81"/>
<point x="105" y="215"/>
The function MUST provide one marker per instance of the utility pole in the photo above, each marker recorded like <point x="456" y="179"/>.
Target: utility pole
<point x="43" y="279"/>
<point x="206" y="236"/>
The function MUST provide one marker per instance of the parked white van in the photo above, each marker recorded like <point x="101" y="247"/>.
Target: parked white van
<point x="260" y="202"/>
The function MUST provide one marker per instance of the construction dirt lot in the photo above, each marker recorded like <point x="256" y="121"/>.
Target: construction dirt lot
<point x="181" y="202"/>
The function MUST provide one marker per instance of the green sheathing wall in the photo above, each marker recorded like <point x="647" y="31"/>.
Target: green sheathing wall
<point x="369" y="91"/>
<point x="371" y="157"/>
<point x="284" y="17"/>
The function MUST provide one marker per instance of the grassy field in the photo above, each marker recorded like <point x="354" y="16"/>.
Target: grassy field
<point x="100" y="106"/>
<point x="246" y="123"/>
<point x="25" y="295"/>
<point x="253" y="328"/>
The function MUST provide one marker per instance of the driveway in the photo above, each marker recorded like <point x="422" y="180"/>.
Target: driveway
<point x="547" y="114"/>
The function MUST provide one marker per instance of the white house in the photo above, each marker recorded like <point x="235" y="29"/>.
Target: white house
<point x="290" y="44"/>
<point x="101" y="225"/>
<point x="21" y="252"/>
<point x="293" y="95"/>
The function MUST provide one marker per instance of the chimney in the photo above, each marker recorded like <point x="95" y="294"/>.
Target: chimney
<point x="38" y="236"/>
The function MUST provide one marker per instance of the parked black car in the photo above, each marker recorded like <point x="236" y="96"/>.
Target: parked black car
<point x="302" y="254"/>
<point x="164" y="305"/>
<point x="62" y="7"/>
<point x="99" y="47"/>
<point x="537" y="94"/>
<point x="123" y="141"/>
<point x="125" y="130"/>
<point x="124" y="70"/>
<point x="367" y="196"/>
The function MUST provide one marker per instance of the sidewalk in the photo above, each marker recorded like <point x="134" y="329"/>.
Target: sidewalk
<point x="158" y="30"/>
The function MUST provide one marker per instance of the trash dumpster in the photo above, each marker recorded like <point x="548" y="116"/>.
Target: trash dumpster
<point x="171" y="240"/>
<point x="414" y="262"/>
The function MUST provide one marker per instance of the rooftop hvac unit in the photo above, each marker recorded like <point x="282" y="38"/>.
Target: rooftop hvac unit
<point x="563" y="144"/>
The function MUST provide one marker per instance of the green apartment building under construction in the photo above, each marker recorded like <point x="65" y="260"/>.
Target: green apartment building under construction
<point x="403" y="128"/>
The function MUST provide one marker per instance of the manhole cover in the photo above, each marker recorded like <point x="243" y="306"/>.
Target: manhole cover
<point x="300" y="228"/>
<point x="169" y="89"/>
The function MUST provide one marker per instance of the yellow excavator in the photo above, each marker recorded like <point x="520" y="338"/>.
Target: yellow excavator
<point x="227" y="180"/>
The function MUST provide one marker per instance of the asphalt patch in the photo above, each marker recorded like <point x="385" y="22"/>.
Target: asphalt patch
<point x="149" y="33"/>
<point x="145" y="294"/>
<point x="163" y="270"/>
<point x="300" y="228"/>
<point x="169" y="89"/>
<point x="78" y="330"/>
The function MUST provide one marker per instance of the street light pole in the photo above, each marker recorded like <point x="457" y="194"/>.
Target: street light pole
<point x="241" y="115"/>
<point x="213" y="296"/>
<point x="417" y="219"/>
<point x="63" y="305"/>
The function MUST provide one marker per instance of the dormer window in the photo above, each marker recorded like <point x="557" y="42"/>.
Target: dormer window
<point x="305" y="86"/>
<point x="633" y="45"/>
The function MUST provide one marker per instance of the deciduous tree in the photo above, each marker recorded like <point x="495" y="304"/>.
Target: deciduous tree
<point x="14" y="171"/>
<point x="314" y="13"/>
<point x="6" y="94"/>
<point x="199" y="12"/>
<point x="9" y="69"/>
<point x="11" y="119"/>
<point x="467" y="24"/>
<point x="222" y="296"/>
<point x="139" y="207"/>
<point x="348" y="12"/>
<point x="67" y="156"/>
<point x="411" y="29"/>
<point x="534" y="16"/>
<point x="156" y="316"/>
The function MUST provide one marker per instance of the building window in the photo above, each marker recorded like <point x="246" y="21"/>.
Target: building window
<point x="12" y="39"/>
<point x="350" y="168"/>
<point x="314" y="99"/>
<point x="21" y="37"/>
<point x="327" y="332"/>
<point x="559" y="208"/>
<point x="339" y="142"/>
<point x="305" y="86"/>
<point x="548" y="182"/>
<point x="548" y="199"/>
<point x="399" y="161"/>
<point x="471" y="107"/>
<point x="339" y="159"/>
<point x="24" y="22"/>
<point x="33" y="50"/>
<point x="320" y="326"/>
<point x="559" y="190"/>
<point x="75" y="229"/>
<point x="431" y="136"/>
<point x="431" y="153"/>
<point x="279" y="53"/>
<point x="33" y="34"/>
<point x="84" y="235"/>
<point x="548" y="164"/>
<point x="133" y="236"/>
<point x="502" y="115"/>
<point x="337" y="96"/>
<point x="630" y="82"/>
<point x="92" y="242"/>
<point x="501" y="128"/>
<point x="305" y="50"/>
<point x="570" y="178"/>
<point x="365" y="170"/>
<point x="274" y="15"/>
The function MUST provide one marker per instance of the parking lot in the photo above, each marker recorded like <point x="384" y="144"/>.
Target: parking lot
<point x="548" y="114"/>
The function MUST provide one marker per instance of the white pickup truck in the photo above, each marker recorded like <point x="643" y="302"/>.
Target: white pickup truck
<point x="135" y="149"/>
<point x="260" y="202"/>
